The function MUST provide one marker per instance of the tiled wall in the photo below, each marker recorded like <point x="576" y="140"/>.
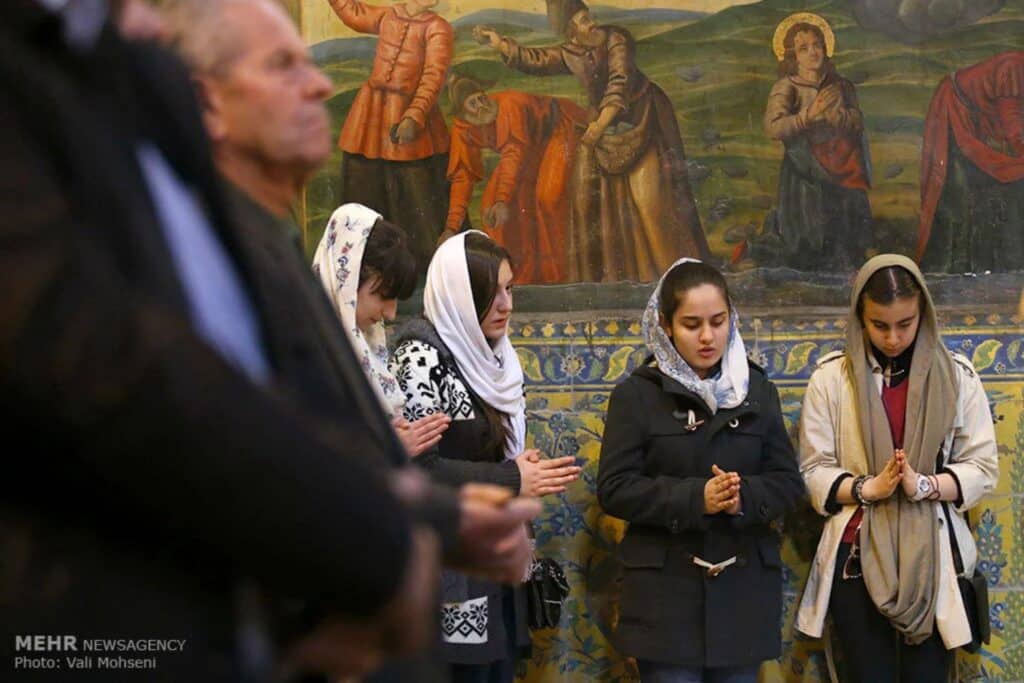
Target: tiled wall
<point x="572" y="366"/>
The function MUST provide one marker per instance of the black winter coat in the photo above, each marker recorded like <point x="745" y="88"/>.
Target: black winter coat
<point x="652" y="474"/>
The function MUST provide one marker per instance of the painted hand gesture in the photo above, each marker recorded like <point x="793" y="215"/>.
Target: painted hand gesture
<point x="592" y="134"/>
<point x="497" y="215"/>
<point x="407" y="131"/>
<point x="485" y="35"/>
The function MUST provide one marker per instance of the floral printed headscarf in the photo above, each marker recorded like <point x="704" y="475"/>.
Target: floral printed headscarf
<point x="729" y="387"/>
<point x="337" y="262"/>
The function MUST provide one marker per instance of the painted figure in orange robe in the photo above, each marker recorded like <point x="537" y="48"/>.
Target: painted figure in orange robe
<point x="525" y="204"/>
<point x="972" y="170"/>
<point x="394" y="139"/>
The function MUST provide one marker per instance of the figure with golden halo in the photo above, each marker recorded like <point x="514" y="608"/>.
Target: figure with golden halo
<point x="823" y="218"/>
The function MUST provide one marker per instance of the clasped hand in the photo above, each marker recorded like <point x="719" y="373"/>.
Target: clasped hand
<point x="722" y="492"/>
<point x="539" y="476"/>
<point x="883" y="484"/>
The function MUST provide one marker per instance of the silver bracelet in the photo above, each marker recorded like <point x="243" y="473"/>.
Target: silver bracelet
<point x="858" y="490"/>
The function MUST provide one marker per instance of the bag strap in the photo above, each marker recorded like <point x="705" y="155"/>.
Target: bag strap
<point x="958" y="562"/>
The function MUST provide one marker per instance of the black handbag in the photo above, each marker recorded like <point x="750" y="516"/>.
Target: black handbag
<point x="546" y="590"/>
<point x="973" y="591"/>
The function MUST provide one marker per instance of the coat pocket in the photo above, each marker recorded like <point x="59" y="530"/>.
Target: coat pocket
<point x="643" y="583"/>
<point x="642" y="552"/>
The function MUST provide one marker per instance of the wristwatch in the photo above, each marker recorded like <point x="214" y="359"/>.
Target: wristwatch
<point x="925" y="488"/>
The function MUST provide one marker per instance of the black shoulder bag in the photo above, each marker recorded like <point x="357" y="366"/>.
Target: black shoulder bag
<point x="973" y="591"/>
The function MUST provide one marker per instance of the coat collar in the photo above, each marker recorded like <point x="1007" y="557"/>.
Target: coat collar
<point x="751" y="405"/>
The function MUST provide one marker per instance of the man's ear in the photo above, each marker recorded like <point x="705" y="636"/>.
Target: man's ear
<point x="210" y="102"/>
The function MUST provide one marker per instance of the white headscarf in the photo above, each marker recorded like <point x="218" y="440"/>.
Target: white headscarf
<point x="493" y="373"/>
<point x="338" y="259"/>
<point x="725" y="390"/>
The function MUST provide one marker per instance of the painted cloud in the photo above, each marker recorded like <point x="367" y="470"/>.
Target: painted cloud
<point x="913" y="21"/>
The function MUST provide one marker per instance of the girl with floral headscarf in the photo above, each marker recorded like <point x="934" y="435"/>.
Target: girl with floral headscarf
<point x="365" y="266"/>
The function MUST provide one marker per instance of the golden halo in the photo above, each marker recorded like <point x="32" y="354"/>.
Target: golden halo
<point x="802" y="18"/>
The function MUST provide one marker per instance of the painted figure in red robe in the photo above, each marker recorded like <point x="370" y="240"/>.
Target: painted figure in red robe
<point x="972" y="170"/>
<point x="525" y="204"/>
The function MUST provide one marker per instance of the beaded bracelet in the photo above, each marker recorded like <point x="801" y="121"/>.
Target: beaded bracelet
<point x="858" y="490"/>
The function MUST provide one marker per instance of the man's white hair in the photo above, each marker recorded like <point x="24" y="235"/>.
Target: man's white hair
<point x="200" y="32"/>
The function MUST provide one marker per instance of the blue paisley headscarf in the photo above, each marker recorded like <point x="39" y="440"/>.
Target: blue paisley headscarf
<point x="728" y="388"/>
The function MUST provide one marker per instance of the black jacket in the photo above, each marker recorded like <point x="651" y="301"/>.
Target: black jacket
<point x="652" y="474"/>
<point x="150" y="476"/>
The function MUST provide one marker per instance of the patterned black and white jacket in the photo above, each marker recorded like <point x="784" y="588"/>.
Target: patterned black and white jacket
<point x="473" y="612"/>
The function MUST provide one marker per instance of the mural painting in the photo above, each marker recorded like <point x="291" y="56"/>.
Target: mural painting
<point x="764" y="135"/>
<point x="972" y="187"/>
<point x="633" y="213"/>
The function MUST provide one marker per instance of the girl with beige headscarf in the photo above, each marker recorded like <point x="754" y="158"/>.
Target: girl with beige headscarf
<point x="896" y="438"/>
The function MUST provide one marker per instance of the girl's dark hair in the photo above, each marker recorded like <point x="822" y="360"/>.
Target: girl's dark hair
<point x="888" y="284"/>
<point x="788" y="65"/>
<point x="387" y="256"/>
<point x="685" y="277"/>
<point x="483" y="260"/>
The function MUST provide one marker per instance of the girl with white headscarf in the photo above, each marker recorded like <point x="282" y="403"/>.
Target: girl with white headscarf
<point x="459" y="361"/>
<point x="896" y="444"/>
<point x="697" y="460"/>
<point x="365" y="266"/>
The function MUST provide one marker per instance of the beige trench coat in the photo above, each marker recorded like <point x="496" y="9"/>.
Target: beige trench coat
<point x="830" y="440"/>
